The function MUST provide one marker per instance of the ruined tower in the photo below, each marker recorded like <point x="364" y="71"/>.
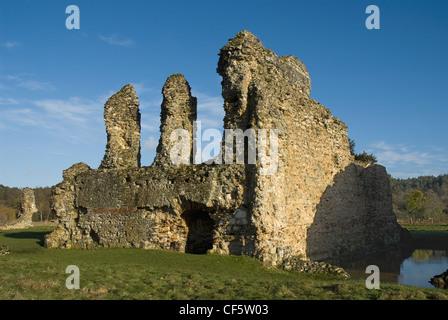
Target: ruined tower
<point x="318" y="203"/>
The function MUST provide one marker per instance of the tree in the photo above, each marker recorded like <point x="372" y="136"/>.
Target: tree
<point x="351" y="144"/>
<point x="416" y="202"/>
<point x="7" y="214"/>
<point x="364" y="157"/>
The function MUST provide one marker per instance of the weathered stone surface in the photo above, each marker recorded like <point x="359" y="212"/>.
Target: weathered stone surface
<point x="248" y="69"/>
<point x="179" y="110"/>
<point x="354" y="214"/>
<point x="74" y="170"/>
<point x="122" y="117"/>
<point x="149" y="207"/>
<point x="25" y="214"/>
<point x="316" y="204"/>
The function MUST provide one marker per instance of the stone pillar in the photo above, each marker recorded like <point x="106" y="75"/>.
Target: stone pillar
<point x="122" y="117"/>
<point x="27" y="206"/>
<point x="25" y="214"/>
<point x="179" y="111"/>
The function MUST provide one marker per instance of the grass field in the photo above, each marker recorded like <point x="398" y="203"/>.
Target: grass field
<point x="432" y="234"/>
<point x="35" y="272"/>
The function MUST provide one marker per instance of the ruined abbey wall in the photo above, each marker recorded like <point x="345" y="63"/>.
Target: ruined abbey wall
<point x="310" y="200"/>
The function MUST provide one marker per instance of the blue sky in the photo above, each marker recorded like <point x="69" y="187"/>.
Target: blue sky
<point x="388" y="85"/>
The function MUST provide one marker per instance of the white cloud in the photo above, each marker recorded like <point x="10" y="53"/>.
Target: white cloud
<point x="154" y="103"/>
<point x="210" y="123"/>
<point x="8" y="101"/>
<point x="149" y="127"/>
<point x="210" y="110"/>
<point x="150" y="143"/>
<point x="405" y="161"/>
<point x="22" y="80"/>
<point x="73" y="109"/>
<point x="210" y="104"/>
<point x="11" y="44"/>
<point x="112" y="39"/>
<point x="25" y="117"/>
<point x="382" y="145"/>
<point x="141" y="88"/>
<point x="36" y="85"/>
<point x="75" y="120"/>
<point x="13" y="77"/>
<point x="393" y="154"/>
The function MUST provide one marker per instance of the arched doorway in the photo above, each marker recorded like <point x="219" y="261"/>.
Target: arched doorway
<point x="200" y="231"/>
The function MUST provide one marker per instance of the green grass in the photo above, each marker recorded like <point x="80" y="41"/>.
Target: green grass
<point x="429" y="233"/>
<point x="426" y="227"/>
<point x="35" y="272"/>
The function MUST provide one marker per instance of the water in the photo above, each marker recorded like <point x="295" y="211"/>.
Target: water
<point x="412" y="266"/>
<point x="422" y="266"/>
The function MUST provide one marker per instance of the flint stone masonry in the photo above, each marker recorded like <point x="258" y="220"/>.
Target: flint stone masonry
<point x="311" y="267"/>
<point x="319" y="204"/>
<point x="179" y="110"/>
<point x="25" y="215"/>
<point x="122" y="117"/>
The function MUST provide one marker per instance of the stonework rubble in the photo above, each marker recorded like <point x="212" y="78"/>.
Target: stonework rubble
<point x="440" y="280"/>
<point x="318" y="204"/>
<point x="4" y="250"/>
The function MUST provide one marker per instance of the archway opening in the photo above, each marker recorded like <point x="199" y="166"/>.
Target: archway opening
<point x="200" y="232"/>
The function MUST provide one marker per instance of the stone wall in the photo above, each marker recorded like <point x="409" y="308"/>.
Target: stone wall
<point x="354" y="214"/>
<point x="151" y="208"/>
<point x="264" y="91"/>
<point x="316" y="202"/>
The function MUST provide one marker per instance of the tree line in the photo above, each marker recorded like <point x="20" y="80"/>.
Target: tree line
<point x="425" y="197"/>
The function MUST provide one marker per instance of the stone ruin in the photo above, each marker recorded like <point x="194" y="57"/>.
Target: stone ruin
<point x="25" y="215"/>
<point x="440" y="280"/>
<point x="319" y="204"/>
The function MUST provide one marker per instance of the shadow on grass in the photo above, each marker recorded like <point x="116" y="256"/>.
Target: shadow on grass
<point x="38" y="235"/>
